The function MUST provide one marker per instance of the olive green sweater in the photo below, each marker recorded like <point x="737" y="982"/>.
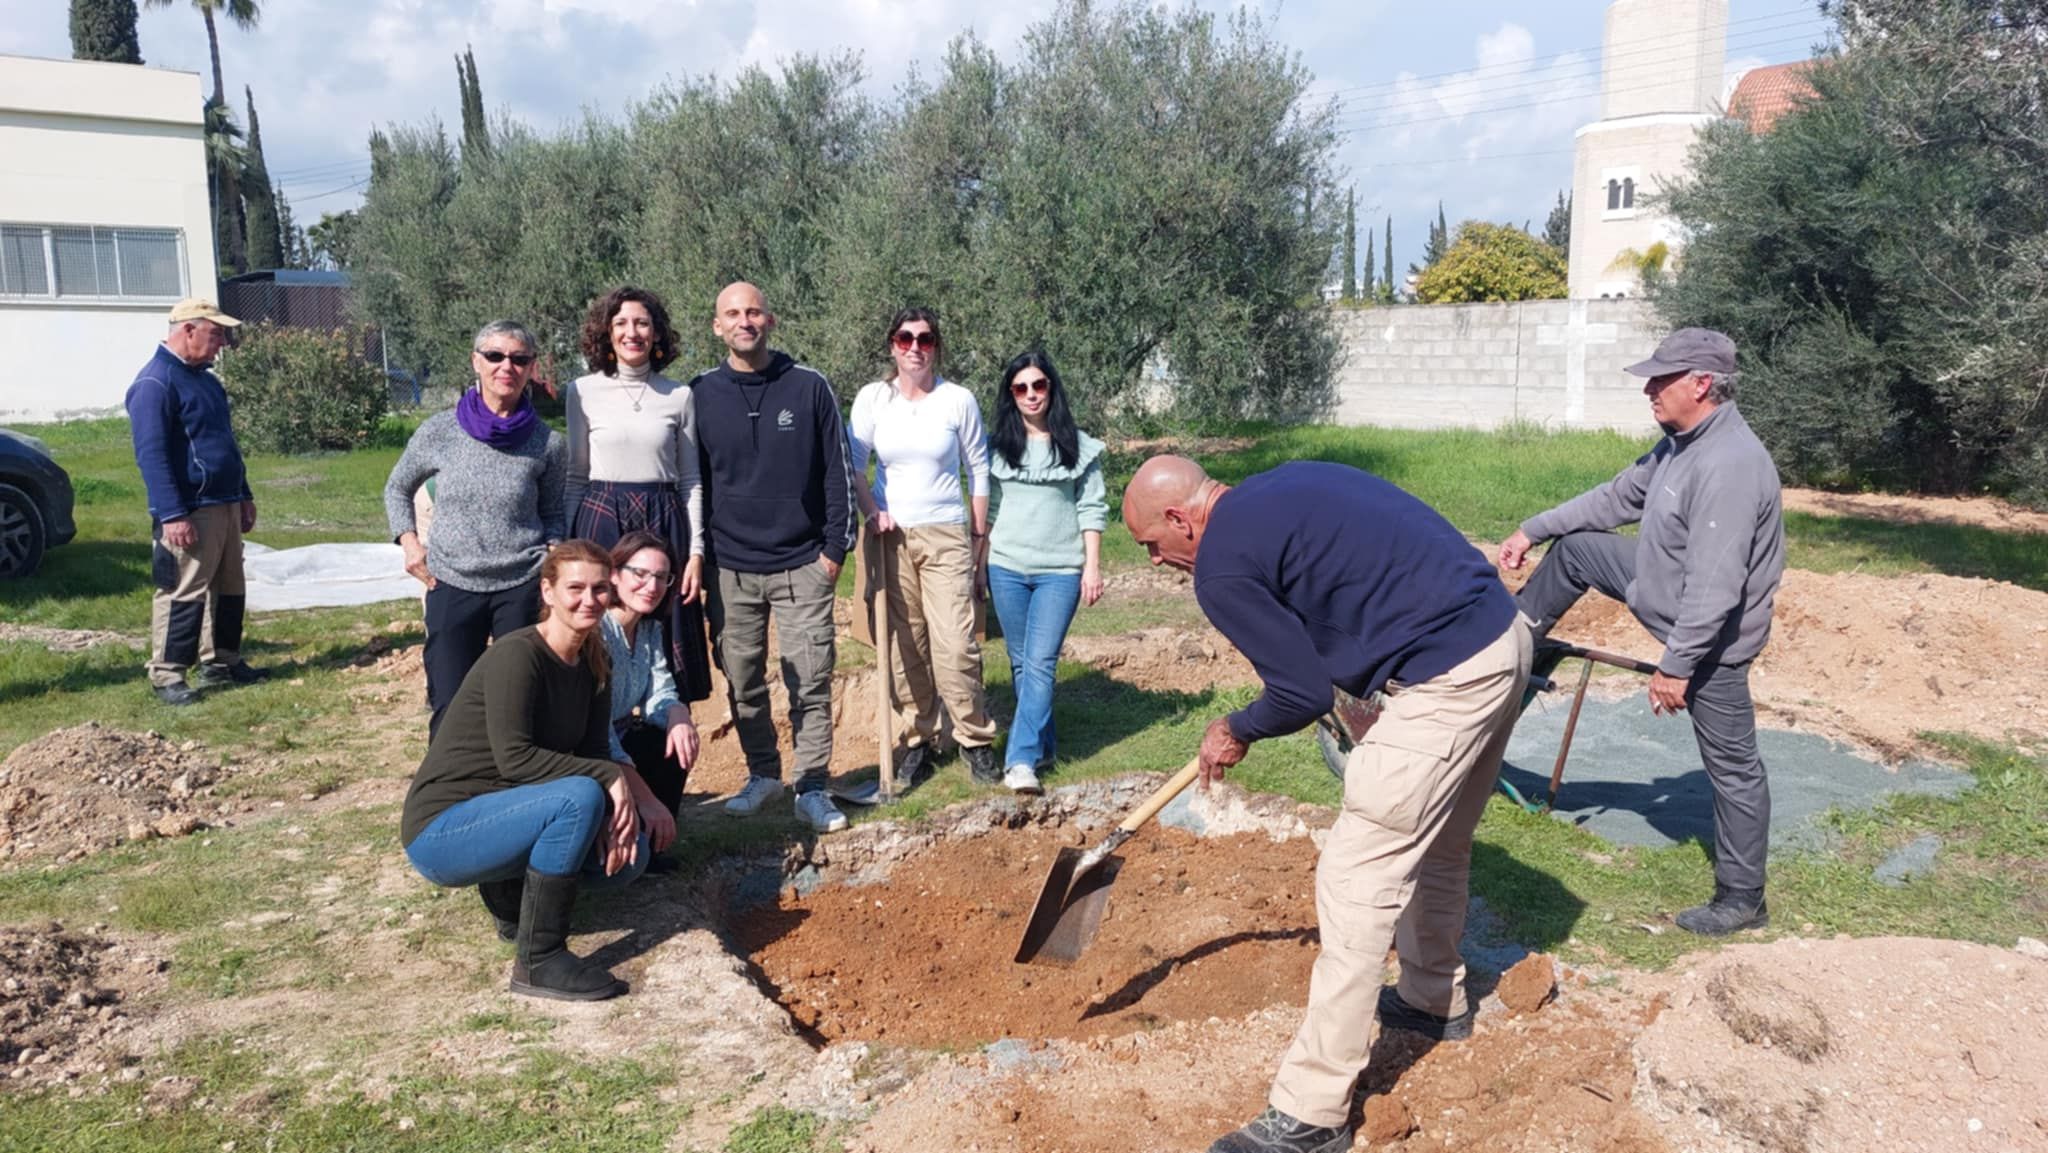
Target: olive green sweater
<point x="521" y="717"/>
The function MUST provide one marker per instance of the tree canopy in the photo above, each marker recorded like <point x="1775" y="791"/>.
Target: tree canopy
<point x="1492" y="262"/>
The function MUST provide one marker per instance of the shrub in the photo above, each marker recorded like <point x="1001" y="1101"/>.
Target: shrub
<point x="302" y="389"/>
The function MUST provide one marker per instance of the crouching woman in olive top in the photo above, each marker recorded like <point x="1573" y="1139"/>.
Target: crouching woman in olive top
<point x="518" y="794"/>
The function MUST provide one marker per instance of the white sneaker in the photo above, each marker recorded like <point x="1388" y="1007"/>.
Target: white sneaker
<point x="748" y="801"/>
<point x="819" y="812"/>
<point x="1022" y="779"/>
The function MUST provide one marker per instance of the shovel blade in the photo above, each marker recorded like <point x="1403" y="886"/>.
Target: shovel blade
<point x="1068" y="912"/>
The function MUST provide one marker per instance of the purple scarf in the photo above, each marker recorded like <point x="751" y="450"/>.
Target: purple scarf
<point x="503" y="433"/>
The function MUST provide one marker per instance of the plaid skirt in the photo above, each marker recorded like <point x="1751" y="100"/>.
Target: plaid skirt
<point x="609" y="511"/>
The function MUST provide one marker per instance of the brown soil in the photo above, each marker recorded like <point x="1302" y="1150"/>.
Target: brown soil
<point x="1973" y="511"/>
<point x="1164" y="659"/>
<point x="1193" y="928"/>
<point x="1875" y="661"/>
<point x="62" y="999"/>
<point x="67" y="640"/>
<point x="77" y="791"/>
<point x="1529" y="984"/>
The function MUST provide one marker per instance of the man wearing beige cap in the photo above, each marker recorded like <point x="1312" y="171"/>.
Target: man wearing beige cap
<point x="199" y="507"/>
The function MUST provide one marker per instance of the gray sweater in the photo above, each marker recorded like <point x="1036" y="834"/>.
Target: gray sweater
<point x="1712" y="543"/>
<point x="495" y="513"/>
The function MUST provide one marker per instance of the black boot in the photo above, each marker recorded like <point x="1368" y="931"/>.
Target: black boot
<point x="502" y="899"/>
<point x="545" y="967"/>
<point x="1731" y="910"/>
<point x="1396" y="1013"/>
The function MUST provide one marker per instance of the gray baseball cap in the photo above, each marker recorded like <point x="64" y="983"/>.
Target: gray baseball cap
<point x="1689" y="350"/>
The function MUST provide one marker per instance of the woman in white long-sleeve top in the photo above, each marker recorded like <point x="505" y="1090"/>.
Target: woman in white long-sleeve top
<point x="632" y="461"/>
<point x="923" y="432"/>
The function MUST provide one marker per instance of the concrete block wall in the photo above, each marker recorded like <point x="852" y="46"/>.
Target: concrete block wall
<point x="1555" y="362"/>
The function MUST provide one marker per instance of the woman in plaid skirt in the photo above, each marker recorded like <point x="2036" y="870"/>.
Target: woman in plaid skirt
<point x="632" y="461"/>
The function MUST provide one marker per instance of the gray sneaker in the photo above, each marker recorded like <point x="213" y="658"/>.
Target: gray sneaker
<point x="748" y="801"/>
<point x="1276" y="1132"/>
<point x="819" y="812"/>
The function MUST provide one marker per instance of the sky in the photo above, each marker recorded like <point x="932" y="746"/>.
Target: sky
<point x="1473" y="102"/>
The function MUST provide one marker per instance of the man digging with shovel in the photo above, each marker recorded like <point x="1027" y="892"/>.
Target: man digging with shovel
<point x="1321" y="574"/>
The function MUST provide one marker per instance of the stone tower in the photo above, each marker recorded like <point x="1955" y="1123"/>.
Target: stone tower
<point x="1660" y="80"/>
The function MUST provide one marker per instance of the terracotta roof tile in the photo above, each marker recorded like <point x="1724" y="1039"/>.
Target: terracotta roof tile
<point x="1765" y="94"/>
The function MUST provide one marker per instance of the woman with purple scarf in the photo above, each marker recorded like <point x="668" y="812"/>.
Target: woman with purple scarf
<point x="497" y="508"/>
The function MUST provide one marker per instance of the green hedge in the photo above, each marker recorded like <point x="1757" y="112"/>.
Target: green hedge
<point x="302" y="389"/>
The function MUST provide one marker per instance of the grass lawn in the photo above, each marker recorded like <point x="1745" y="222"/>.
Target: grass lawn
<point x="1553" y="887"/>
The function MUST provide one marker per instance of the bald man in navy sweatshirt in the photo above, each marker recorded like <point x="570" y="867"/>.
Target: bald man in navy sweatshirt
<point x="1324" y="575"/>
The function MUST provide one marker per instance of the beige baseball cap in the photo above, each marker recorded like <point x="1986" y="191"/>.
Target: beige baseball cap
<point x="200" y="308"/>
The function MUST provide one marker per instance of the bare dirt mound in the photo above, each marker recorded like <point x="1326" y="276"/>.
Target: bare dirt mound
<point x="1972" y="511"/>
<point x="1195" y="927"/>
<point x="1165" y="659"/>
<point x="68" y="640"/>
<point x="77" y="791"/>
<point x="61" y="999"/>
<point x="1885" y="1043"/>
<point x="1875" y="661"/>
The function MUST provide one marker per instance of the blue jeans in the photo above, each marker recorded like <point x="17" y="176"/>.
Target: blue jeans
<point x="1035" y="610"/>
<point x="550" y="828"/>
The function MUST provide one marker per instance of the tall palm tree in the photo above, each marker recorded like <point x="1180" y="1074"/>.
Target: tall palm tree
<point x="246" y="14"/>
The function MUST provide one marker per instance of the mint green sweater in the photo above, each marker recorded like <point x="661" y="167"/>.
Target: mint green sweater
<point x="1040" y="509"/>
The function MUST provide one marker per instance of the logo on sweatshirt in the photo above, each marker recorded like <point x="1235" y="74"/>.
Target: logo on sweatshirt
<point x="785" y="420"/>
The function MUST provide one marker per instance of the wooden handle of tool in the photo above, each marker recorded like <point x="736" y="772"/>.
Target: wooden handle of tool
<point x="1159" y="800"/>
<point x="885" y="711"/>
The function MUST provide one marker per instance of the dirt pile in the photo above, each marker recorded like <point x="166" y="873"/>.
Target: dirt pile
<point x="1194" y="927"/>
<point x="68" y="640"/>
<point x="59" y="1000"/>
<point x="1164" y="659"/>
<point x="77" y="791"/>
<point x="1896" y="1044"/>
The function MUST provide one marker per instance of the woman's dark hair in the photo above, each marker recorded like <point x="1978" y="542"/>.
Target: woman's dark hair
<point x="641" y="540"/>
<point x="905" y="317"/>
<point x="597" y="329"/>
<point x="579" y="551"/>
<point x="1010" y="438"/>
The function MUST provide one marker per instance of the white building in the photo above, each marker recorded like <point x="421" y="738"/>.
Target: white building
<point x="104" y="224"/>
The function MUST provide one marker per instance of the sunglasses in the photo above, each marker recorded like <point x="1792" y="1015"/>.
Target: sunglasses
<point x="518" y="359"/>
<point x="660" y="579"/>
<point x="905" y="340"/>
<point x="1027" y="387"/>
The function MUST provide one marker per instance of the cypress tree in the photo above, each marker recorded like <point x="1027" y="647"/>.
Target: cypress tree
<point x="1387" y="281"/>
<point x="1350" y="244"/>
<point x="105" y="30"/>
<point x="476" y="131"/>
<point x="264" y="245"/>
<point x="1371" y="286"/>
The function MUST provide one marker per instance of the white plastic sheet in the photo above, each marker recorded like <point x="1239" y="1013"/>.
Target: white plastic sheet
<point x="325" y="575"/>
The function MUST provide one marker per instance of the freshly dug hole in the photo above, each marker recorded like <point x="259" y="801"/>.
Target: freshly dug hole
<point x="1194" y="928"/>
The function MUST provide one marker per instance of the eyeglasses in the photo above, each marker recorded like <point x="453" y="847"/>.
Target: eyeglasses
<point x="660" y="579"/>
<point x="1026" y="387"/>
<point x="518" y="359"/>
<point x="904" y="340"/>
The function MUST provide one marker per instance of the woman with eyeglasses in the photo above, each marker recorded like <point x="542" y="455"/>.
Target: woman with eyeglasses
<point x="923" y="431"/>
<point x="498" y="473"/>
<point x="517" y="794"/>
<point x="650" y="724"/>
<point x="632" y="458"/>
<point x="1045" y="550"/>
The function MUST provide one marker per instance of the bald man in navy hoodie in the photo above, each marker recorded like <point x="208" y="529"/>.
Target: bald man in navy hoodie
<point x="778" y="500"/>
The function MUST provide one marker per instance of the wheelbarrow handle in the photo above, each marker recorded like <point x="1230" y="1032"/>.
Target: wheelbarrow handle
<point x="1174" y="787"/>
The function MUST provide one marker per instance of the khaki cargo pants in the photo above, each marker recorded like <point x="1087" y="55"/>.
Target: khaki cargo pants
<point x="1395" y="867"/>
<point x="195" y="617"/>
<point x="938" y="655"/>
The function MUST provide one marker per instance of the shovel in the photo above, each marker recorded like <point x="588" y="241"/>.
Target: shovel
<point x="880" y="791"/>
<point x="1069" y="908"/>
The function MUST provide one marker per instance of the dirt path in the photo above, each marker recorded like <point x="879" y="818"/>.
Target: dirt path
<point x="1970" y="511"/>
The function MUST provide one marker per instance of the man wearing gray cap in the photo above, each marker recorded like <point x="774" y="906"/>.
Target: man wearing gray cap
<point x="1700" y="575"/>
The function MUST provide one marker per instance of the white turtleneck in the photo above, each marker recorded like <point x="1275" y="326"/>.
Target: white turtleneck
<point x="610" y="440"/>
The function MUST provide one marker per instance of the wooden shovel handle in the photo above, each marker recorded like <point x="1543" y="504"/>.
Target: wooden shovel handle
<point x="1159" y="800"/>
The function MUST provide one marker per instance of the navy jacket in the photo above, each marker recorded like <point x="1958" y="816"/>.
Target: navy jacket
<point x="1325" y="575"/>
<point x="778" y="482"/>
<point x="184" y="444"/>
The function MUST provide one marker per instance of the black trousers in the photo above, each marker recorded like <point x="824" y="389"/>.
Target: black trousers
<point x="460" y="625"/>
<point x="1717" y="699"/>
<point x="647" y="745"/>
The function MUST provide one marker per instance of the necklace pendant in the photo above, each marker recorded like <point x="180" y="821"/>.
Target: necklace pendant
<point x="636" y="406"/>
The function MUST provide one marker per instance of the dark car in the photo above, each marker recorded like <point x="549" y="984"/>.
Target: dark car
<point x="35" y="504"/>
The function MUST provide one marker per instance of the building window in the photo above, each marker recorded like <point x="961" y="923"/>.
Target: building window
<point x="90" y="263"/>
<point x="1619" y="187"/>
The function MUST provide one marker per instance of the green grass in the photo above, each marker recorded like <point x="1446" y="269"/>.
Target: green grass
<point x="776" y="1130"/>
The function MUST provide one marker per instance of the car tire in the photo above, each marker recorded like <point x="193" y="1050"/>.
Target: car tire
<point x="21" y="533"/>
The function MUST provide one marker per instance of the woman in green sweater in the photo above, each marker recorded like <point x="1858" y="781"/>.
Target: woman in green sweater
<point x="1045" y="547"/>
<point x="518" y="794"/>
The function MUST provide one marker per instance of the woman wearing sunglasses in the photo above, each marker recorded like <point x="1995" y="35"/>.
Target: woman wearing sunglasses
<point x="632" y="459"/>
<point x="1045" y="550"/>
<point x="922" y="432"/>
<point x="650" y="724"/>
<point x="497" y="470"/>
